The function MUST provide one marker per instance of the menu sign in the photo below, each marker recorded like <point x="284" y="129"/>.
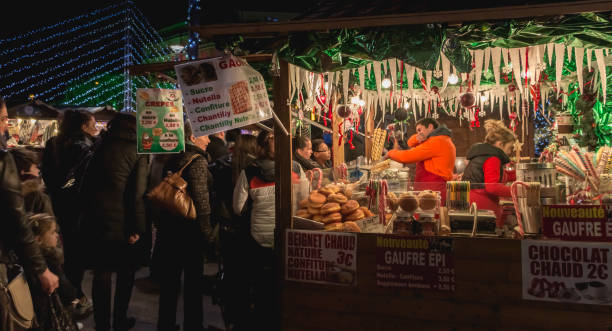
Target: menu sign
<point x="567" y="272"/>
<point x="222" y="93"/>
<point x="415" y="262"/>
<point x="160" y="121"/>
<point x="321" y="257"/>
<point x="577" y="223"/>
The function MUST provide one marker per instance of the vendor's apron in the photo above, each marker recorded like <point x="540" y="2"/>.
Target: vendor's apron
<point x="425" y="180"/>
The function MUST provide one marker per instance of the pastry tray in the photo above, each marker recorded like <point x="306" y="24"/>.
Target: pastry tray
<point x="301" y="223"/>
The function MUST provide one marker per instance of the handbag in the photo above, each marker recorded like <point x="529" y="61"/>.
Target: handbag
<point x="171" y="194"/>
<point x="61" y="318"/>
<point x="16" y="307"/>
<point x="73" y="180"/>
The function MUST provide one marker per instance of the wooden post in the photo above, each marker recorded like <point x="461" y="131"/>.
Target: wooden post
<point x="282" y="178"/>
<point x="337" y="151"/>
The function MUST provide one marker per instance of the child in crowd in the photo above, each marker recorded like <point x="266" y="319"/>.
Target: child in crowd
<point x="46" y="235"/>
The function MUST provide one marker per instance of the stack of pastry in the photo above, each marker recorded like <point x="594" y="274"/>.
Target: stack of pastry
<point x="331" y="206"/>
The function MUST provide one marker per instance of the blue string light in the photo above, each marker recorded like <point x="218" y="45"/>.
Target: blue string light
<point x="83" y="51"/>
<point x="49" y="27"/>
<point x="55" y="68"/>
<point x="62" y="54"/>
<point x="58" y="34"/>
<point x="66" y="42"/>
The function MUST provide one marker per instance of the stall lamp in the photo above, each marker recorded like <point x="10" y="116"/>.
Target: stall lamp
<point x="326" y="86"/>
<point x="361" y="102"/>
<point x="32" y="121"/>
<point x="19" y="121"/>
<point x="355" y="100"/>
<point x="453" y="79"/>
<point x="483" y="98"/>
<point x="386" y="83"/>
<point x="406" y="105"/>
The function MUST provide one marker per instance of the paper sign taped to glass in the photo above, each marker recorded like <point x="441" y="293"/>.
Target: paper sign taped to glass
<point x="222" y="93"/>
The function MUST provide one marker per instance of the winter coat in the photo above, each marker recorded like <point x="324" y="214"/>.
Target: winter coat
<point x="307" y="164"/>
<point x="198" y="180"/>
<point x="34" y="197"/>
<point x="485" y="172"/>
<point x="15" y="233"/>
<point x="438" y="153"/>
<point x="57" y="162"/>
<point x="113" y="197"/>
<point x="255" y="191"/>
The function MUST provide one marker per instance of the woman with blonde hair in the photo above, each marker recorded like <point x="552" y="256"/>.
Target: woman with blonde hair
<point x="485" y="170"/>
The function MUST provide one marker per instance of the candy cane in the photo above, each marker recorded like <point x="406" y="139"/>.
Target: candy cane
<point x="588" y="165"/>
<point x="382" y="201"/>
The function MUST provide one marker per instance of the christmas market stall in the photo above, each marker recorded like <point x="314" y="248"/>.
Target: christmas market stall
<point x="32" y="124"/>
<point x="366" y="246"/>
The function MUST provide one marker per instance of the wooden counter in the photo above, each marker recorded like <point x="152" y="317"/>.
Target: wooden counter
<point x="487" y="296"/>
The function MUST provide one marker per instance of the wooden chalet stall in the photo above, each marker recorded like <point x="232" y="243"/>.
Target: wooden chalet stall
<point x="482" y="287"/>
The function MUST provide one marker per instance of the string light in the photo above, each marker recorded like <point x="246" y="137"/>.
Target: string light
<point x="81" y="74"/>
<point x="63" y="23"/>
<point x="58" y="34"/>
<point x="386" y="83"/>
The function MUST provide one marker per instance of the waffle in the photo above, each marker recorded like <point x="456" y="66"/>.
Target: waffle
<point x="239" y="97"/>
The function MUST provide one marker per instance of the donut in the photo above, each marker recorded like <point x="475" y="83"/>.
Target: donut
<point x="428" y="200"/>
<point x="315" y="205"/>
<point x="332" y="218"/>
<point x="303" y="203"/>
<point x="350" y="227"/>
<point x="392" y="201"/>
<point x="316" y="197"/>
<point x="366" y="211"/>
<point x="354" y="216"/>
<point x="314" y="211"/>
<point x="330" y="207"/>
<point x="349" y="207"/>
<point x="337" y="197"/>
<point x="337" y="226"/>
<point x="325" y="191"/>
<point x="303" y="213"/>
<point x="333" y="188"/>
<point x="318" y="218"/>
<point x="408" y="202"/>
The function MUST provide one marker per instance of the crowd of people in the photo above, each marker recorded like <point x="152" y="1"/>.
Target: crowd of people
<point x="83" y="207"/>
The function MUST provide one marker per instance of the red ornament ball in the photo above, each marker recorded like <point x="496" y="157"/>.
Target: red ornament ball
<point x="511" y="88"/>
<point x="343" y="111"/>
<point x="467" y="100"/>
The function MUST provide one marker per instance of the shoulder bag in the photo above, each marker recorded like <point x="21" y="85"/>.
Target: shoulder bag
<point x="16" y="308"/>
<point x="171" y="194"/>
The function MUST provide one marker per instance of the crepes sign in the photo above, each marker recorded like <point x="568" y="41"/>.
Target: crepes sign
<point x="222" y="93"/>
<point x="567" y="271"/>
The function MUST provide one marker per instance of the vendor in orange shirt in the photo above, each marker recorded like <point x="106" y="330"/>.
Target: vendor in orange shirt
<point x="433" y="151"/>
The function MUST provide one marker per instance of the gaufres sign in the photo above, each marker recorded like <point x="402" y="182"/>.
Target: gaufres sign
<point x="222" y="93"/>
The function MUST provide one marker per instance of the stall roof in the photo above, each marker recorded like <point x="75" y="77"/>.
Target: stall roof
<point x="33" y="109"/>
<point x="342" y="15"/>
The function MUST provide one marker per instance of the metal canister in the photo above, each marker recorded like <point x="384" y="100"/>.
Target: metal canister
<point x="543" y="173"/>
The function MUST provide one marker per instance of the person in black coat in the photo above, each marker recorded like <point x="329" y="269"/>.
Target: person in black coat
<point x="69" y="152"/>
<point x="15" y="234"/>
<point x="183" y="242"/>
<point x="114" y="218"/>
<point x="217" y="148"/>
